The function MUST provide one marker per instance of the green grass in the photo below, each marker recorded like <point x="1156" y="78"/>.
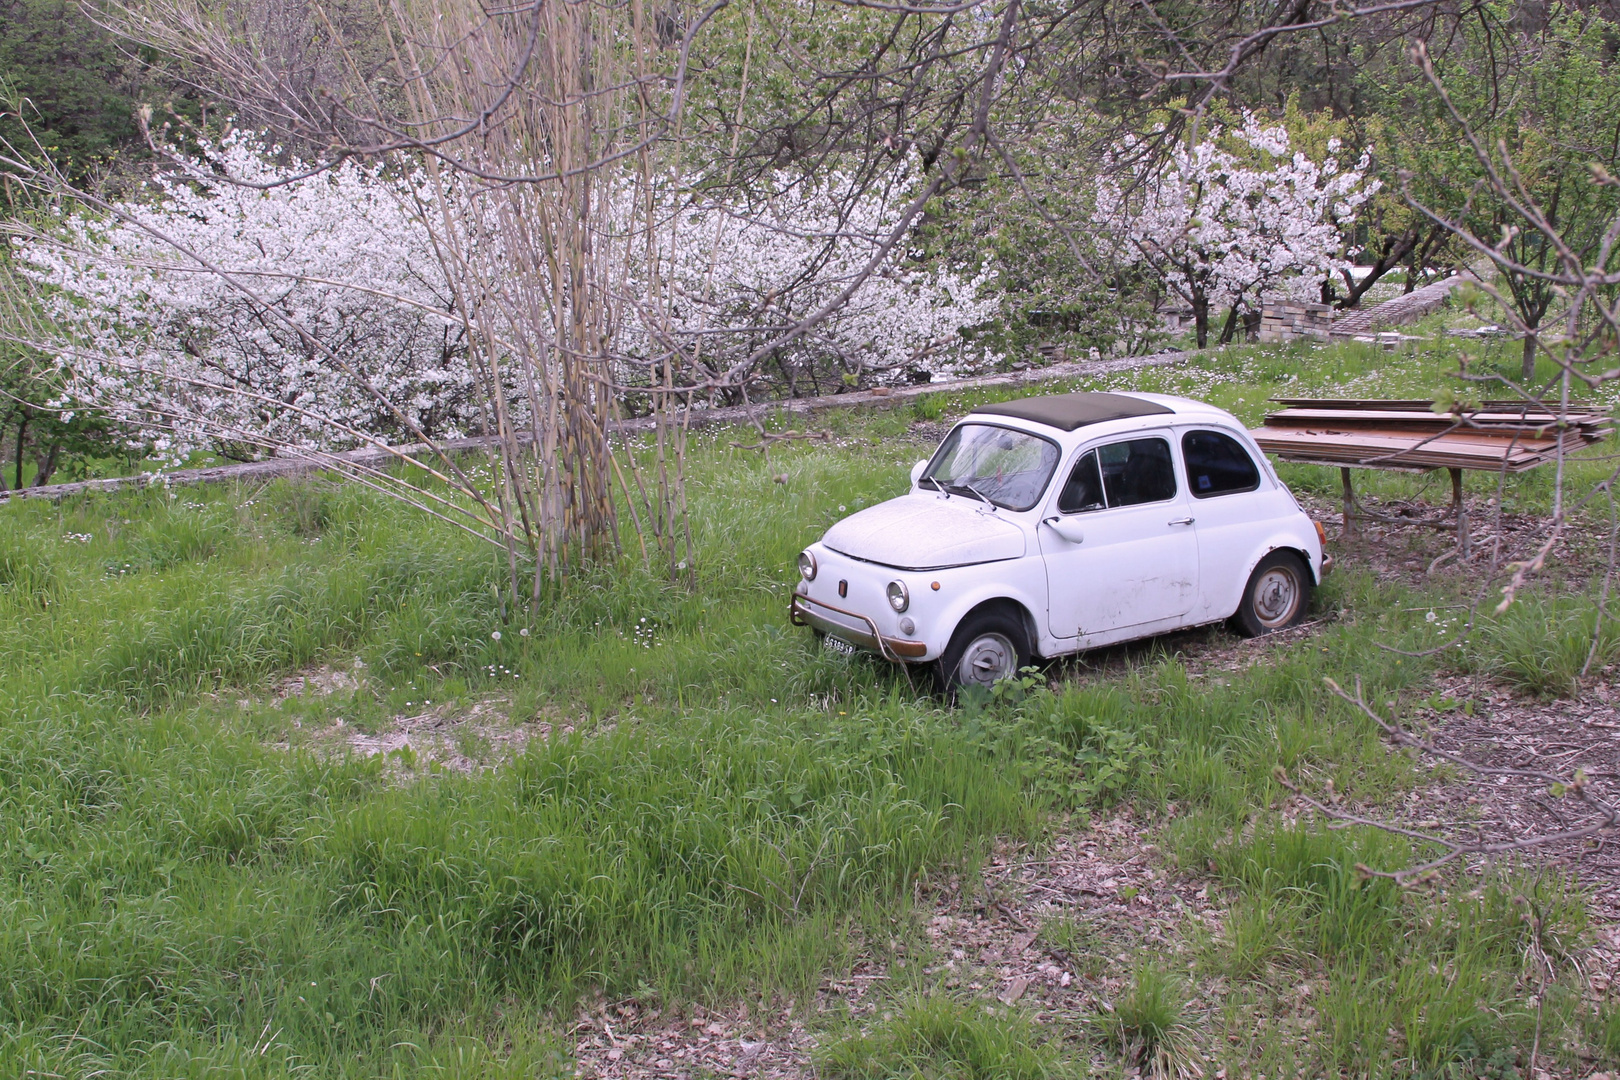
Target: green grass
<point x="189" y="886"/>
<point x="1149" y="1024"/>
<point x="1543" y="644"/>
<point x="941" y="1038"/>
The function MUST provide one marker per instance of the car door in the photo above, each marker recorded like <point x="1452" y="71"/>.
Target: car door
<point x="1224" y="481"/>
<point x="1130" y="556"/>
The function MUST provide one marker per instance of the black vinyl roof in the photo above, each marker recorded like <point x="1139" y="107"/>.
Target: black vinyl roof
<point x="1069" y="411"/>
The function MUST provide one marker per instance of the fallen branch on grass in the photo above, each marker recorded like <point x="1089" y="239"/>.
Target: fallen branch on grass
<point x="1600" y="816"/>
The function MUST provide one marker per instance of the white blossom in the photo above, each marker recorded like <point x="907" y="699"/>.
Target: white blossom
<point x="1231" y="229"/>
<point x="187" y="360"/>
<point x="750" y="270"/>
<point x="150" y="329"/>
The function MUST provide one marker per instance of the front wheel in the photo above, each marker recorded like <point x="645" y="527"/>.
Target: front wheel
<point x="1276" y="596"/>
<point x="987" y="647"/>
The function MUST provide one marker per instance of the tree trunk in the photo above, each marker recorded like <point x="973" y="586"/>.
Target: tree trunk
<point x="1389" y="260"/>
<point x="1200" y="306"/>
<point x="1529" y="359"/>
<point x="47" y="465"/>
<point x="22" y="438"/>
<point x="1422" y="253"/>
<point x="1230" y="326"/>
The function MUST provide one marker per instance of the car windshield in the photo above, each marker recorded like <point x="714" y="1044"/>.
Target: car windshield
<point x="998" y="465"/>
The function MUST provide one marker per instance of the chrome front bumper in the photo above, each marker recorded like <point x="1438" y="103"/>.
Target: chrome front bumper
<point x="801" y="613"/>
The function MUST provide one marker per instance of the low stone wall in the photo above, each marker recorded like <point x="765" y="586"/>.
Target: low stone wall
<point x="1286" y="320"/>
<point x="1399" y="311"/>
<point x="377" y="457"/>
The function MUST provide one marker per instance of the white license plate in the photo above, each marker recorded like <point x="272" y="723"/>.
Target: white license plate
<point x="839" y="646"/>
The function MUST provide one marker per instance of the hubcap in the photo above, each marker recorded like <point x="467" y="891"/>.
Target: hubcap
<point x="987" y="659"/>
<point x="1276" y="597"/>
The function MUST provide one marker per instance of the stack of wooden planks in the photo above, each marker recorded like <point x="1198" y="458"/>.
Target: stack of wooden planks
<point x="1499" y="435"/>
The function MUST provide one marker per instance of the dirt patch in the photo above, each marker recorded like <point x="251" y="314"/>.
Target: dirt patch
<point x="323" y="681"/>
<point x="465" y="737"/>
<point x="626" y="1041"/>
<point x="1060" y="929"/>
<point x="1004" y="935"/>
<point x="1407" y="547"/>
<point x="1495" y="726"/>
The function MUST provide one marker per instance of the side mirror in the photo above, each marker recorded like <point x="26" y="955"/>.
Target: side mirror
<point x="1068" y="528"/>
<point x="917" y="471"/>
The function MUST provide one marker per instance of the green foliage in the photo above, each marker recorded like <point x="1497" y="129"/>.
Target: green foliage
<point x="27" y="576"/>
<point x="1548" y="103"/>
<point x="1444" y="972"/>
<point x="1346" y="913"/>
<point x="71" y="83"/>
<point x="172" y="879"/>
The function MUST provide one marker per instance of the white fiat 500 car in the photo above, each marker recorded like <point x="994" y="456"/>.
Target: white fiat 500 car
<point x="1054" y="524"/>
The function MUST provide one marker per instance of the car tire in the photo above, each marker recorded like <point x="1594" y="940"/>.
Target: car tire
<point x="1276" y="597"/>
<point x="988" y="646"/>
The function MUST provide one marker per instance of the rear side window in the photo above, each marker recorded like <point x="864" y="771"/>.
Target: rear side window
<point x="1217" y="464"/>
<point x="1138" y="471"/>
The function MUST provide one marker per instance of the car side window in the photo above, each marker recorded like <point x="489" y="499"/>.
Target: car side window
<point x="1084" y="489"/>
<point x="1138" y="471"/>
<point x="1217" y="464"/>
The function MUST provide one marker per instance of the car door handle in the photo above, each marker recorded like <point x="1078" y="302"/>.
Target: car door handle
<point x="1183" y="521"/>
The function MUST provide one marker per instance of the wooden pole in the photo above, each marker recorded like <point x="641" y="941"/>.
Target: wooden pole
<point x="1349" y="502"/>
<point x="1462" y="512"/>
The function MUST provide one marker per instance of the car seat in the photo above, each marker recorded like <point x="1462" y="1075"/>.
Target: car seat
<point x="1148" y="475"/>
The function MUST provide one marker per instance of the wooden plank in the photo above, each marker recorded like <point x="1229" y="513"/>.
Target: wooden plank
<point x="1369" y="448"/>
<point x="1384" y="442"/>
<point x="1404" y="419"/>
<point x="1398" y="437"/>
<point x="1417" y="405"/>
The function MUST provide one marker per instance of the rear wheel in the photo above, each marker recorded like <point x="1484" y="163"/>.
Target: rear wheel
<point x="1276" y="597"/>
<point x="987" y="647"/>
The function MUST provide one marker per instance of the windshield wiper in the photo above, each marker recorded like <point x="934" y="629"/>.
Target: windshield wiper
<point x="969" y="489"/>
<point x="930" y="480"/>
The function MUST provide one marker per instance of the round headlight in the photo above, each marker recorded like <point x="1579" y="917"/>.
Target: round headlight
<point x="899" y="596"/>
<point x="807" y="566"/>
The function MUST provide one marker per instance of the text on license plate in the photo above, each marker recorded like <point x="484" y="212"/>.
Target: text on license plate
<point x="839" y="646"/>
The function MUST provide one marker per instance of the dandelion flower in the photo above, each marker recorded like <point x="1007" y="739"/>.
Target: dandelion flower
<point x="495" y="636"/>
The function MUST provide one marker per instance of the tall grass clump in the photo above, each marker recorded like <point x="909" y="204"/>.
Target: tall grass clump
<point x="1542" y="644"/>
<point x="1149" y="1024"/>
<point x="1450" y="974"/>
<point x="1603" y="1032"/>
<point x="938" y="1037"/>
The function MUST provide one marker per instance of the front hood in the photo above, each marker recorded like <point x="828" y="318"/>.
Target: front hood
<point x="926" y="532"/>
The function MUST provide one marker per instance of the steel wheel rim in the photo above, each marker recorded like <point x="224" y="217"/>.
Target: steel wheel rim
<point x="1276" y="597"/>
<point x="988" y="659"/>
